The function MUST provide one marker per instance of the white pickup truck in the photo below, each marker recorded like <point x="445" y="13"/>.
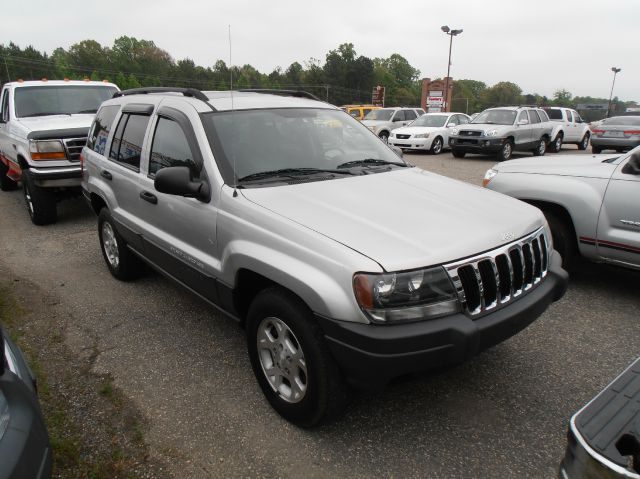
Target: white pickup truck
<point x="43" y="128"/>
<point x="590" y="201"/>
<point x="569" y="128"/>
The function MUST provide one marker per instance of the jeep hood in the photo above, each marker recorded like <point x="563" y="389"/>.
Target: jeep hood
<point x="404" y="218"/>
<point x="589" y="166"/>
<point x="57" y="122"/>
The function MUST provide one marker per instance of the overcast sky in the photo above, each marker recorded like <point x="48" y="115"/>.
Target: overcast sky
<point x="542" y="45"/>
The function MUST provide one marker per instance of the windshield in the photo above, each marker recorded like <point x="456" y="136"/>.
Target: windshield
<point x="60" y="100"/>
<point x="623" y="120"/>
<point x="430" y="120"/>
<point x="382" y="115"/>
<point x="496" y="117"/>
<point x="267" y="140"/>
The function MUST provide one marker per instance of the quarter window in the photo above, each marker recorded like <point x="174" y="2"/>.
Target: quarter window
<point x="5" y="105"/>
<point x="126" y="146"/>
<point x="170" y="148"/>
<point x="101" y="127"/>
<point x="410" y="115"/>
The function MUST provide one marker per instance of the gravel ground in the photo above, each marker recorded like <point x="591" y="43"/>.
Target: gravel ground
<point x="503" y="414"/>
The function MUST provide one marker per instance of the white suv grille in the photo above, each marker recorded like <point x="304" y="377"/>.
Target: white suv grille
<point x="498" y="277"/>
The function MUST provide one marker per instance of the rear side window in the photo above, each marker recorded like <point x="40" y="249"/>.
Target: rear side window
<point x="534" y="116"/>
<point x="554" y="114"/>
<point x="126" y="146"/>
<point x="101" y="127"/>
<point x="410" y="115"/>
<point x="170" y="148"/>
<point x="543" y="115"/>
<point x="5" y="105"/>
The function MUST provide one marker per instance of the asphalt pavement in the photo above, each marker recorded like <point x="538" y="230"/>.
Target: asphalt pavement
<point x="502" y="414"/>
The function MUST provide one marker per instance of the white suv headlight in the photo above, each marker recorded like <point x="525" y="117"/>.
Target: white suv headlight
<point x="454" y="131"/>
<point x="491" y="133"/>
<point x="47" y="150"/>
<point x="488" y="176"/>
<point x="406" y="296"/>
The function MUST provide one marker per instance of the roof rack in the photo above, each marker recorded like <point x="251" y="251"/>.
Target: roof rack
<point x="190" y="92"/>
<point x="296" y="93"/>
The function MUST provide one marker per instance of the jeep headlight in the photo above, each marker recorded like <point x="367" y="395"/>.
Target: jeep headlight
<point x="406" y="296"/>
<point x="47" y="150"/>
<point x="491" y="133"/>
<point x="4" y="414"/>
<point x="392" y="135"/>
<point x="488" y="176"/>
<point x="422" y="135"/>
<point x="454" y="131"/>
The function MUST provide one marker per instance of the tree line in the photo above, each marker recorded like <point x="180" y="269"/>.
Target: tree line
<point x="343" y="77"/>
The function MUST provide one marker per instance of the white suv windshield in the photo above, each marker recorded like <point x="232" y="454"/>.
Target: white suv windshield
<point x="381" y="115"/>
<point x="60" y="100"/>
<point x="256" y="141"/>
<point x="496" y="117"/>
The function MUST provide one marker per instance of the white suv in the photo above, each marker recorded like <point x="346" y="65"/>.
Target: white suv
<point x="383" y="121"/>
<point x="570" y="128"/>
<point x="343" y="263"/>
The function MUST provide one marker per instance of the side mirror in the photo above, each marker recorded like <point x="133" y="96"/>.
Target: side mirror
<point x="176" y="180"/>
<point x="523" y="122"/>
<point x="633" y="165"/>
<point x="397" y="150"/>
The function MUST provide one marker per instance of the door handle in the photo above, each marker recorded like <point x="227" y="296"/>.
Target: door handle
<point x="150" y="197"/>
<point x="105" y="174"/>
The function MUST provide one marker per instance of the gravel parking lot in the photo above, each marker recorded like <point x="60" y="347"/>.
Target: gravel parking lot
<point x="503" y="414"/>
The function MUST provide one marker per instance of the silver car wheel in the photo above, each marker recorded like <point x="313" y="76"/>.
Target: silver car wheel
<point x="437" y="147"/>
<point x="558" y="144"/>
<point x="506" y="150"/>
<point x="542" y="147"/>
<point x="110" y="245"/>
<point x="282" y="359"/>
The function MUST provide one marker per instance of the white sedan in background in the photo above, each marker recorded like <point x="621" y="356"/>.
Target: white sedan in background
<point x="429" y="132"/>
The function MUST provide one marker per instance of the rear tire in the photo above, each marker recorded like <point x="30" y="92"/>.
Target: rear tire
<point x="122" y="263"/>
<point x="564" y="238"/>
<point x="291" y="360"/>
<point x="584" y="143"/>
<point x="457" y="153"/>
<point x="596" y="149"/>
<point x="6" y="183"/>
<point x="506" y="151"/>
<point x="436" y="146"/>
<point x="541" y="149"/>
<point x="556" y="145"/>
<point x="41" y="202"/>
<point x="384" y="136"/>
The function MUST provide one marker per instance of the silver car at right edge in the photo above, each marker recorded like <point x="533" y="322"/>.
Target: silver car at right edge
<point x="619" y="133"/>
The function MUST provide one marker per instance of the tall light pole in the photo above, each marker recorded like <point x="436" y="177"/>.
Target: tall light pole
<point x="451" y="33"/>
<point x="615" y="72"/>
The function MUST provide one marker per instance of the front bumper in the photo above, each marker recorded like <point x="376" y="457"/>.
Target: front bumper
<point x="411" y="143"/>
<point x="371" y="355"/>
<point x="478" y="144"/>
<point x="58" y="176"/>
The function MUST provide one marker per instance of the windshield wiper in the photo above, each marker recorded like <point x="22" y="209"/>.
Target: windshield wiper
<point x="370" y="162"/>
<point x="290" y="172"/>
<point x="45" y="113"/>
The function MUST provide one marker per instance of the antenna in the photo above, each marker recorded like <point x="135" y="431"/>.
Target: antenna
<point x="233" y="122"/>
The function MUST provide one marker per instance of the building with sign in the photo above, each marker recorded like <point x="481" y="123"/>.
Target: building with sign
<point x="434" y="98"/>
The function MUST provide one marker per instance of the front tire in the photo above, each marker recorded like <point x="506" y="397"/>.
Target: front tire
<point x="41" y="202"/>
<point x="564" y="238"/>
<point x="384" y="136"/>
<point x="291" y="361"/>
<point x="6" y="183"/>
<point x="584" y="143"/>
<point x="556" y="145"/>
<point x="436" y="146"/>
<point x="457" y="153"/>
<point x="541" y="149"/>
<point x="122" y="263"/>
<point x="506" y="151"/>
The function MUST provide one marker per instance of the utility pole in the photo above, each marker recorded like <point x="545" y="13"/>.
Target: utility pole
<point x="615" y="72"/>
<point x="451" y="33"/>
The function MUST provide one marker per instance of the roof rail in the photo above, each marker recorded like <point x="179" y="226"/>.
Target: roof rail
<point x="296" y="93"/>
<point x="190" y="92"/>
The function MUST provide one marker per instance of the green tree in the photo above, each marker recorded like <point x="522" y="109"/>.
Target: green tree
<point x="502" y="94"/>
<point x="562" y="97"/>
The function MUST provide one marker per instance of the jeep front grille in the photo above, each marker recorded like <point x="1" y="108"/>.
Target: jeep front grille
<point x="74" y="147"/>
<point x="496" y="278"/>
<point x="470" y="133"/>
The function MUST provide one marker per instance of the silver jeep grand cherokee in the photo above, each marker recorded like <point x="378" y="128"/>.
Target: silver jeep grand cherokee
<point x="344" y="263"/>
